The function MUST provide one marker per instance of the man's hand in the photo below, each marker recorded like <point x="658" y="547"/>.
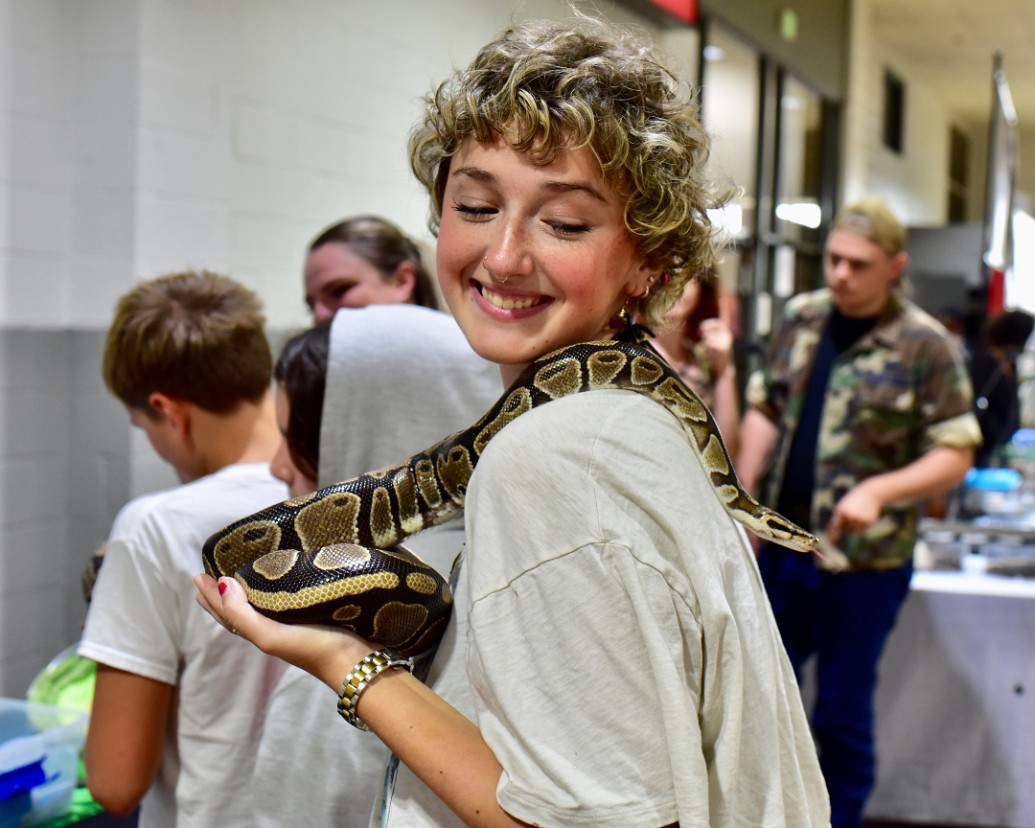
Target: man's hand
<point x="857" y="511"/>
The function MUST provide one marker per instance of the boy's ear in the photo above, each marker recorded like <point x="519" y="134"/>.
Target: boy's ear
<point x="175" y="412"/>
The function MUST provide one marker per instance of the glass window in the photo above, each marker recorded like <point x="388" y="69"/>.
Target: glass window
<point x="729" y="110"/>
<point x="799" y="172"/>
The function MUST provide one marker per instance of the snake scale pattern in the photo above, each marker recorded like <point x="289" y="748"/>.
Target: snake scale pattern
<point x="335" y="557"/>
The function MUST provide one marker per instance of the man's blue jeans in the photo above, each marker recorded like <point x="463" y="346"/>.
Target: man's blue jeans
<point x="844" y="620"/>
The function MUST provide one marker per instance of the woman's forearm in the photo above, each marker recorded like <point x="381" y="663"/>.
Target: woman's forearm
<point x="440" y="745"/>
<point x="726" y="408"/>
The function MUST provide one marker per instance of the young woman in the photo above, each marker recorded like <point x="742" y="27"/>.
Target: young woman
<point x="697" y="340"/>
<point x="611" y="658"/>
<point x="364" y="260"/>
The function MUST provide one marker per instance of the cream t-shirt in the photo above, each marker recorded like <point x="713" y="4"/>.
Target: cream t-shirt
<point x="612" y="637"/>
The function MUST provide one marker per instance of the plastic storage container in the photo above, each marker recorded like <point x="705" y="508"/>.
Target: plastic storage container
<point x="39" y="760"/>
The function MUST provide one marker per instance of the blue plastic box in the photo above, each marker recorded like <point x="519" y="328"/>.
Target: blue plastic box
<point x="39" y="759"/>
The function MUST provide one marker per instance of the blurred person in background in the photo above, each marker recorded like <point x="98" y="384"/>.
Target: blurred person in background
<point x="993" y="372"/>
<point x="697" y="341"/>
<point x="365" y="260"/>
<point x="862" y="410"/>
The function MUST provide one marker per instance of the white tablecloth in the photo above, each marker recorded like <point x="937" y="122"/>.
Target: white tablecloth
<point x="955" y="704"/>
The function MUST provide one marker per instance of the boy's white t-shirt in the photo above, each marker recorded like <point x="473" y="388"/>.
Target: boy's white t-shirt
<point x="143" y="619"/>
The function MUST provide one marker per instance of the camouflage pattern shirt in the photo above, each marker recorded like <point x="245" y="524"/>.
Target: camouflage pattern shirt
<point x="898" y="392"/>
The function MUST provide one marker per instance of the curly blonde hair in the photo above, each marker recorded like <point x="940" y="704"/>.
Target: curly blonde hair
<point x="550" y="86"/>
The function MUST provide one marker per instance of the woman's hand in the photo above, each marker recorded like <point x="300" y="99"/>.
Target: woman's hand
<point x="328" y="653"/>
<point x="717" y="339"/>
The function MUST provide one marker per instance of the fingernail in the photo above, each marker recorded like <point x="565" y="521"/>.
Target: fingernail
<point x="222" y="587"/>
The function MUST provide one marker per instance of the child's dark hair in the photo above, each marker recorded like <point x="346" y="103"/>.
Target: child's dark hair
<point x="301" y="371"/>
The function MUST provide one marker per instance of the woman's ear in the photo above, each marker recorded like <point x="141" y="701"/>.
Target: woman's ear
<point x="405" y="279"/>
<point x="644" y="277"/>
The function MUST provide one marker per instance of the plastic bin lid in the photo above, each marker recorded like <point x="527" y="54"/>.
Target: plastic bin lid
<point x="993" y="480"/>
<point x="1023" y="437"/>
<point x="23" y="779"/>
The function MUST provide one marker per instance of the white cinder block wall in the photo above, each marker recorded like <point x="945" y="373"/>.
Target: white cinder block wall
<point x="143" y="136"/>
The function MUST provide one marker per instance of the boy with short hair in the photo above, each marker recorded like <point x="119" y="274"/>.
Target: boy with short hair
<point x="178" y="706"/>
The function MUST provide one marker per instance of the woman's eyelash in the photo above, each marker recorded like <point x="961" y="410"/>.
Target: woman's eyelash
<point x="569" y="229"/>
<point x="473" y="211"/>
<point x="559" y="227"/>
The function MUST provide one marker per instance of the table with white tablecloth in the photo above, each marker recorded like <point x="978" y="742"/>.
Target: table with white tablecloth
<point x="955" y="704"/>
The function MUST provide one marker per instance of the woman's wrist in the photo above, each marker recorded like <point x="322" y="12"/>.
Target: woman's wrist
<point x="367" y="670"/>
<point x="726" y="372"/>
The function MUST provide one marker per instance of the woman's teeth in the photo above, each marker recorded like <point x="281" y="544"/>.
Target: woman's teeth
<point x="507" y="302"/>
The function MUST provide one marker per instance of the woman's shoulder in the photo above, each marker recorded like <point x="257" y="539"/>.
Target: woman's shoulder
<point x="593" y="435"/>
<point x="591" y="414"/>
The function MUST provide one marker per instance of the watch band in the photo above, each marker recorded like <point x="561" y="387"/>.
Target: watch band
<point x="360" y="677"/>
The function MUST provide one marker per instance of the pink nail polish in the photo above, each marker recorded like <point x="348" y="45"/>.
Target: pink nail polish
<point x="222" y="587"/>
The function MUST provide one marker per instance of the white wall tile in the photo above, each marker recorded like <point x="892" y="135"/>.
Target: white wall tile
<point x="39" y="224"/>
<point x="181" y="33"/>
<point x="93" y="285"/>
<point x="262" y="242"/>
<point x="41" y="146"/>
<point x="37" y="84"/>
<point x="34" y="22"/>
<point x="263" y="134"/>
<point x="29" y="553"/>
<point x="107" y="90"/>
<point x="26" y="481"/>
<point x="177" y="99"/>
<point x="34" y="423"/>
<point x="104" y="28"/>
<point x="269" y="191"/>
<point x="38" y="628"/>
<point x="104" y="157"/>
<point x="184" y="233"/>
<point x="28" y="360"/>
<point x="181" y="165"/>
<point x="35" y="290"/>
<point x="103" y="224"/>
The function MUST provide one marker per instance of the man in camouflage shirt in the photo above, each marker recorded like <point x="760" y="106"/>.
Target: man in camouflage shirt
<point x="862" y="411"/>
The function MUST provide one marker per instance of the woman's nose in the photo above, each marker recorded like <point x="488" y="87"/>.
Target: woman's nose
<point x="322" y="312"/>
<point x="509" y="254"/>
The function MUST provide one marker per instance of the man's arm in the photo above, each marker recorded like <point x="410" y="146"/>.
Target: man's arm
<point x="126" y="736"/>
<point x="758" y="436"/>
<point x="935" y="472"/>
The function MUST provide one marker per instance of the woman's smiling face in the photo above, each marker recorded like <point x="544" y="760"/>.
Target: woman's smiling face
<point x="533" y="257"/>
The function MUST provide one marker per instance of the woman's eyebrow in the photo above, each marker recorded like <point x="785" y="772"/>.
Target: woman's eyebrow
<point x="575" y="186"/>
<point x="486" y="177"/>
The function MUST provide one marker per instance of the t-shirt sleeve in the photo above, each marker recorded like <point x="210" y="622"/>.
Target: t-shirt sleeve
<point x="131" y="622"/>
<point x="947" y="401"/>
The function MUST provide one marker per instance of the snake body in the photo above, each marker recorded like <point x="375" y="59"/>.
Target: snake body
<point x="335" y="556"/>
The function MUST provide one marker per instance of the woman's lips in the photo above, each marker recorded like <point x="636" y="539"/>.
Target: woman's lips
<point x="509" y="302"/>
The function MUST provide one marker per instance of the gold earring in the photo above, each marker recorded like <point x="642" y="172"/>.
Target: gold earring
<point x="620" y="321"/>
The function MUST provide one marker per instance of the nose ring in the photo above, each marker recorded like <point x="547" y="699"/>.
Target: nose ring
<point x="502" y="281"/>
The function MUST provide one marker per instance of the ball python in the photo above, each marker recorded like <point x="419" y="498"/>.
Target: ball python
<point x="335" y="556"/>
